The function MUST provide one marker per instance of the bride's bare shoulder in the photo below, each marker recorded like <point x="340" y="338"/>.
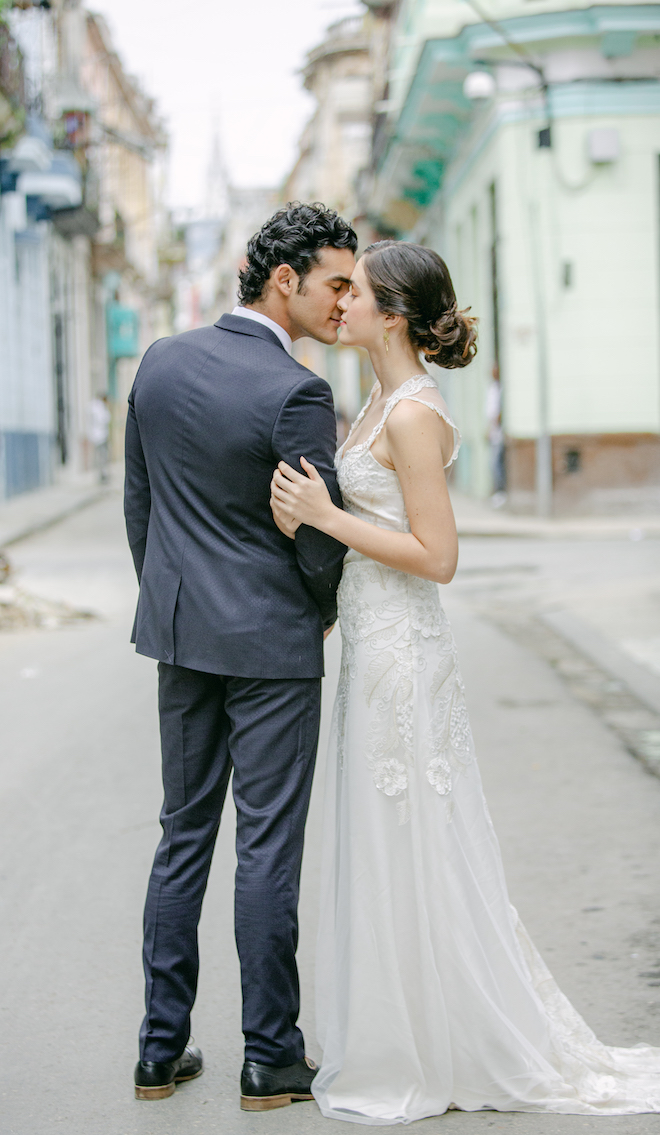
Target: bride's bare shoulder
<point x="411" y="415"/>
<point x="412" y="422"/>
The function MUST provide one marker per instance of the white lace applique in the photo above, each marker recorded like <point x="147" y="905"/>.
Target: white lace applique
<point x="394" y="628"/>
<point x="449" y="738"/>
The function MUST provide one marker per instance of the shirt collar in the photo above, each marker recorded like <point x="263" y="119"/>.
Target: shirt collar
<point x="282" y="335"/>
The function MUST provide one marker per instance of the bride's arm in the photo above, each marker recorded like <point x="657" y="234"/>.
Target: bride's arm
<point x="414" y="440"/>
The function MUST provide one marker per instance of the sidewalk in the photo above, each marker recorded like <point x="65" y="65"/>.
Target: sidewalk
<point x="23" y="515"/>
<point x="478" y="518"/>
<point x="593" y="583"/>
<point x="28" y="513"/>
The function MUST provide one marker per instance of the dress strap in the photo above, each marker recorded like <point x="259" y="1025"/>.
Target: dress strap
<point x="409" y="389"/>
<point x="410" y="386"/>
<point x="445" y="418"/>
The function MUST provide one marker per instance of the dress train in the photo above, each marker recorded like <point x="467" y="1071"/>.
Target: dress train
<point x="430" y="994"/>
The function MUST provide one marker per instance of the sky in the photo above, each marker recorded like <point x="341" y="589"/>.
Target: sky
<point x="223" y="65"/>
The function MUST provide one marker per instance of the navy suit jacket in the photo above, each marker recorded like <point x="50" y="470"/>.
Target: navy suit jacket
<point x="222" y="590"/>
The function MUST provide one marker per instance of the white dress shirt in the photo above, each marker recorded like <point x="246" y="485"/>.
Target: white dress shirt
<point x="282" y="335"/>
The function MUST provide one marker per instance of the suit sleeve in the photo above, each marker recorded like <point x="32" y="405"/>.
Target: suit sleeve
<point x="137" y="493"/>
<point x="306" y="427"/>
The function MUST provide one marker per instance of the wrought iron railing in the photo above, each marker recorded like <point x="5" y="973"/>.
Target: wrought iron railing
<point x="12" y="76"/>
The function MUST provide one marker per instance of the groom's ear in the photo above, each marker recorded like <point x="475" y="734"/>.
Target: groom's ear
<point x="284" y="279"/>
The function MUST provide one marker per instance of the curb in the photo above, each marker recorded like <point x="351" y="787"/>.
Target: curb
<point x="590" y="642"/>
<point x="15" y="535"/>
<point x="639" y="529"/>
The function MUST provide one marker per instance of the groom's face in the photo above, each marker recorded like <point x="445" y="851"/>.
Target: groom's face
<point x="313" y="309"/>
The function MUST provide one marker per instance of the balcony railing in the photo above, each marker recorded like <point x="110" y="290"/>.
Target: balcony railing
<point x="12" y="86"/>
<point x="348" y="28"/>
<point x="12" y="78"/>
<point x="347" y="35"/>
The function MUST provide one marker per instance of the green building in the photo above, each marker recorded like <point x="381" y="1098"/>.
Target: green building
<point x="521" y="139"/>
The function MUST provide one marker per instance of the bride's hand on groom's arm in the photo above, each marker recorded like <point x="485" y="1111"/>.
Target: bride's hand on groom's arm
<point x="287" y="525"/>
<point x="301" y="499"/>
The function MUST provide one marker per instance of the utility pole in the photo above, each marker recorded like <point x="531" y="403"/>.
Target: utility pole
<point x="543" y="461"/>
<point x="544" y="439"/>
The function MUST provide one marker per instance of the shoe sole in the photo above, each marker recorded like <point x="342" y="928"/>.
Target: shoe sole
<point x="163" y="1091"/>
<point x="268" y="1103"/>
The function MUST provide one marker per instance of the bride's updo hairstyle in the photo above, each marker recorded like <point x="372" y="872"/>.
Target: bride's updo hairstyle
<point x="413" y="281"/>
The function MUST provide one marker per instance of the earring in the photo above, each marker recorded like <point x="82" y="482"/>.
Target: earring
<point x="386" y="340"/>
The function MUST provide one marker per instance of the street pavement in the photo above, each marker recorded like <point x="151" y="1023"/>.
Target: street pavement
<point x="27" y="513"/>
<point x="577" y="816"/>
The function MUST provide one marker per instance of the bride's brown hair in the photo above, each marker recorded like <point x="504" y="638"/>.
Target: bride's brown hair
<point x="413" y="281"/>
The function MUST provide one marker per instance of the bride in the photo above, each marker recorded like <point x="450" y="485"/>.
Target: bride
<point x="430" y="993"/>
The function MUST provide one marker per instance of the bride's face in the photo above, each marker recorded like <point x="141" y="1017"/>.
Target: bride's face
<point x="362" y="323"/>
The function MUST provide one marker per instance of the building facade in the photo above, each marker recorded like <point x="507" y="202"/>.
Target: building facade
<point x="82" y="290"/>
<point x="522" y="141"/>
<point x="335" y="150"/>
<point x="249" y="207"/>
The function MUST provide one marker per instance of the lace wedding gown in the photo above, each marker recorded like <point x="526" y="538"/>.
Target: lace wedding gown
<point x="430" y="993"/>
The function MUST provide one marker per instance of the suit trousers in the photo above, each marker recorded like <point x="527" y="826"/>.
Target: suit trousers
<point x="266" y="731"/>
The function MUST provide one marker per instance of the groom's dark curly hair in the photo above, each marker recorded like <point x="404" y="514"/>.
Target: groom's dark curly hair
<point x="294" y="235"/>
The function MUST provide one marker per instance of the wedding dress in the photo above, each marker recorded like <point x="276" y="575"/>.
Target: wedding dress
<point x="430" y="993"/>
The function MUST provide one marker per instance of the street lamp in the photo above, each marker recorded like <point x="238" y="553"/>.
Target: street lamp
<point x="479" y="86"/>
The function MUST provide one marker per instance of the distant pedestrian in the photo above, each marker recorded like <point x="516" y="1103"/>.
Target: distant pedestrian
<point x="98" y="434"/>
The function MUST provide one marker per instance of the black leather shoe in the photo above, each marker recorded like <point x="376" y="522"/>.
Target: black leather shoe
<point x="264" y="1087"/>
<point x="156" y="1081"/>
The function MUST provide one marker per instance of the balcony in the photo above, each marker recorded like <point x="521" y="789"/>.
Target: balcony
<point x="12" y="87"/>
<point x="344" y="37"/>
<point x="59" y="186"/>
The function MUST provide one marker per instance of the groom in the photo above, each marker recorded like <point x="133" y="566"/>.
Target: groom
<point x="235" y="612"/>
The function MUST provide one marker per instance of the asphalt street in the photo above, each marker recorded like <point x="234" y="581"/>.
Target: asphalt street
<point x="577" y="816"/>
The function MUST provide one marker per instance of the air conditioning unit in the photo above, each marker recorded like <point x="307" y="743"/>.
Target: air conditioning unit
<point x="603" y="145"/>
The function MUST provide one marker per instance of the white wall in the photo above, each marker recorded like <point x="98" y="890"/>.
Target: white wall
<point x="26" y="402"/>
<point x="605" y="335"/>
<point x="556" y="209"/>
<point x="26" y="391"/>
